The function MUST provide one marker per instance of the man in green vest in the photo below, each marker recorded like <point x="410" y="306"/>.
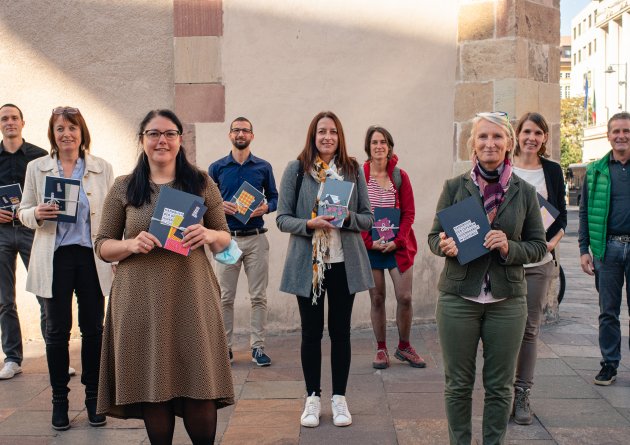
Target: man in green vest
<point x="605" y="229"/>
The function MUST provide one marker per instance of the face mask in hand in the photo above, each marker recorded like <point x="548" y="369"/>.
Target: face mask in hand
<point x="230" y="254"/>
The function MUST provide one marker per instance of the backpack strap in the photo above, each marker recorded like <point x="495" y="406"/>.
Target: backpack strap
<point x="397" y="177"/>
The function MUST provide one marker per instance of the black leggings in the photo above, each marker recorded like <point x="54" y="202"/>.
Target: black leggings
<point x="340" y="303"/>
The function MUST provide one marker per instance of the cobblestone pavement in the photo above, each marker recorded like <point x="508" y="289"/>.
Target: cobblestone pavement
<point x="399" y="405"/>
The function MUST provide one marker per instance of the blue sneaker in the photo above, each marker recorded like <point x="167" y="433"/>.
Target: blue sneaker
<point x="259" y="357"/>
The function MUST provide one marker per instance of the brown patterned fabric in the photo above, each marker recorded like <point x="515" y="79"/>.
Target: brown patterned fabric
<point x="163" y="337"/>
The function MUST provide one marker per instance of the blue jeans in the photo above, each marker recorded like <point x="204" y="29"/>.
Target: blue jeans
<point x="13" y="240"/>
<point x="610" y="277"/>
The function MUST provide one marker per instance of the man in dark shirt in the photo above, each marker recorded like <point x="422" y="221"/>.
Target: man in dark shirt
<point x="229" y="173"/>
<point x="605" y="230"/>
<point x="15" y="153"/>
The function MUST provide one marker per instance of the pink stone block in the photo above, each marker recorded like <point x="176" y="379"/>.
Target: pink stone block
<point x="198" y="18"/>
<point x="203" y="102"/>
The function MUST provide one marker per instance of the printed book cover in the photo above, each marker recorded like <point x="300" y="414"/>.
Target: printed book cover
<point x="548" y="212"/>
<point x="334" y="200"/>
<point x="65" y="193"/>
<point x="247" y="199"/>
<point x="467" y="223"/>
<point x="10" y="197"/>
<point x="174" y="211"/>
<point x="386" y="223"/>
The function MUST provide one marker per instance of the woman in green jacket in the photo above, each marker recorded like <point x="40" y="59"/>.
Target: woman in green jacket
<point x="485" y="298"/>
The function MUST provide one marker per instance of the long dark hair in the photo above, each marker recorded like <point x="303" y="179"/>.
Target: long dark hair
<point x="188" y="178"/>
<point x="345" y="163"/>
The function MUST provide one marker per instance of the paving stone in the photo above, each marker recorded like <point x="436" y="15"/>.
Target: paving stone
<point x="567" y="339"/>
<point x="534" y="432"/>
<point x="97" y="436"/>
<point x="590" y="436"/>
<point x="563" y="387"/>
<point x="273" y="390"/>
<point x="290" y="405"/>
<point x="30" y="423"/>
<point x="575" y="351"/>
<point x="421" y="432"/>
<point x="571" y="413"/>
<point x="287" y="435"/>
<point x="617" y="396"/>
<point x="582" y="363"/>
<point x="6" y="412"/>
<point x="271" y="373"/>
<point x="545" y="367"/>
<point x="365" y="429"/>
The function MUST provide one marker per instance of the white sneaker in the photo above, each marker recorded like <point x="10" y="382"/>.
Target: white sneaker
<point x="71" y="371"/>
<point x="312" y="410"/>
<point x="9" y="370"/>
<point x="340" y="412"/>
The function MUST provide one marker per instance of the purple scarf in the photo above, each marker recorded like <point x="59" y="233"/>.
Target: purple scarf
<point x="493" y="192"/>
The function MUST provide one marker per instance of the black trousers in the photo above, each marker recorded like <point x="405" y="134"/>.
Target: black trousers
<point x="74" y="271"/>
<point x="340" y="303"/>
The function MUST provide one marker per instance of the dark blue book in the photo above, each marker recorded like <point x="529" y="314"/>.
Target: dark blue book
<point x="386" y="223"/>
<point x="10" y="197"/>
<point x="65" y="193"/>
<point x="334" y="200"/>
<point x="172" y="210"/>
<point x="247" y="199"/>
<point x="467" y="223"/>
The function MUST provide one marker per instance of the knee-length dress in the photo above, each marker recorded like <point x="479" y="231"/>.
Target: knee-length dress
<point x="163" y="337"/>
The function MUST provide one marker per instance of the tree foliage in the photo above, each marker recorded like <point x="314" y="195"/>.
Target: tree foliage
<point x="571" y="130"/>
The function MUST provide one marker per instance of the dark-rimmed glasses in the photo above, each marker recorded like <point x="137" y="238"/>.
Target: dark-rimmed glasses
<point x="240" y="130"/>
<point x="170" y="135"/>
<point x="67" y="110"/>
<point x="502" y="114"/>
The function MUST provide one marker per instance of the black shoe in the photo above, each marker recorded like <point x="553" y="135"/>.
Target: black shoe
<point x="60" y="420"/>
<point x="93" y="418"/>
<point x="606" y="376"/>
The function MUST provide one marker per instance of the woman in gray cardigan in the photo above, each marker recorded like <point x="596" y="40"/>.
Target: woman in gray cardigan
<point x="485" y="298"/>
<point x="316" y="258"/>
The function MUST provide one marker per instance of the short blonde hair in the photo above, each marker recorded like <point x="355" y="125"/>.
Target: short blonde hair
<point x="498" y="118"/>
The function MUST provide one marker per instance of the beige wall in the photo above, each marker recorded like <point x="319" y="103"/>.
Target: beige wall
<point x="112" y="59"/>
<point x="370" y="62"/>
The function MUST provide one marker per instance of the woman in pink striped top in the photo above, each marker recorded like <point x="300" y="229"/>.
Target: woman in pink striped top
<point x="389" y="187"/>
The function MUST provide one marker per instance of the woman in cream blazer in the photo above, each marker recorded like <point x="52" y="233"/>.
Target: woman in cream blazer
<point x="62" y="257"/>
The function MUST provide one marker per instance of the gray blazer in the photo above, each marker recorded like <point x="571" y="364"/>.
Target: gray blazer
<point x="297" y="275"/>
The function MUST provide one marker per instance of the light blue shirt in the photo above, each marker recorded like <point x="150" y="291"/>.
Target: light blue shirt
<point x="78" y="233"/>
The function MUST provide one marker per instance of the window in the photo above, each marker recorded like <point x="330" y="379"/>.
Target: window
<point x="594" y="45"/>
<point x="574" y="33"/>
<point x="579" y="29"/>
<point x="567" y="91"/>
<point x="567" y="74"/>
<point x="574" y="59"/>
<point x="590" y="23"/>
<point x="579" y="55"/>
<point x="589" y="49"/>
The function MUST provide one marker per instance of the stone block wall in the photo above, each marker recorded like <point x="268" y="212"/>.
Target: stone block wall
<point x="509" y="60"/>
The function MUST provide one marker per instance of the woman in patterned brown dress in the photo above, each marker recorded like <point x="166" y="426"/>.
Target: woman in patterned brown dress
<point x="164" y="349"/>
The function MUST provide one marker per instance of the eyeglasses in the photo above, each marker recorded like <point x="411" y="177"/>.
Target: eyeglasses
<point x="170" y="135"/>
<point x="502" y="114"/>
<point x="67" y="110"/>
<point x="241" y="130"/>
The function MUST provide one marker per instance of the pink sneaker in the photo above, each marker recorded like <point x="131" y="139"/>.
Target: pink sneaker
<point x="381" y="361"/>
<point x="410" y="355"/>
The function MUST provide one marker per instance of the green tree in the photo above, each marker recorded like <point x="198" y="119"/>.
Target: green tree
<point x="571" y="130"/>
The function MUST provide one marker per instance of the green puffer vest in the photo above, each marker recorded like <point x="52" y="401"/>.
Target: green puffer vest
<point x="598" y="180"/>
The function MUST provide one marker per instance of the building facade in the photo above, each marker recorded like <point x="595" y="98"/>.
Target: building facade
<point x="600" y="57"/>
<point x="420" y="69"/>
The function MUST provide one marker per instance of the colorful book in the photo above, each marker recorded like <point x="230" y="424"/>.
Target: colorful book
<point x="10" y="197"/>
<point x="174" y="212"/>
<point x="386" y="223"/>
<point x="247" y="199"/>
<point x="334" y="200"/>
<point x="548" y="212"/>
<point x="467" y="223"/>
<point x="65" y="193"/>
